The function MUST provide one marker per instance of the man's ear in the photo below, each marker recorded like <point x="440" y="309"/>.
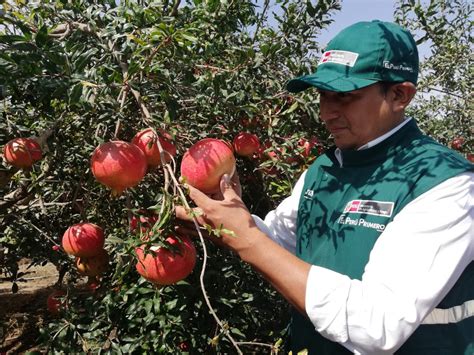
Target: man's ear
<point x="401" y="95"/>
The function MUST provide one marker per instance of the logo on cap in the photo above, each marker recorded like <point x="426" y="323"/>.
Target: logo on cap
<point x="389" y="65"/>
<point x="339" y="57"/>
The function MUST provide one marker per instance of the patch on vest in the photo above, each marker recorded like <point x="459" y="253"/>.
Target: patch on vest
<point x="376" y="208"/>
<point x="343" y="219"/>
<point x="369" y="207"/>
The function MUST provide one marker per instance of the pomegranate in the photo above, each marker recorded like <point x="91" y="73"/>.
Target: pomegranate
<point x="264" y="152"/>
<point x="146" y="140"/>
<point x="93" y="265"/>
<point x="163" y="266"/>
<point x="246" y="144"/>
<point x="56" y="302"/>
<point x="22" y="152"/>
<point x="145" y="221"/>
<point x="306" y="146"/>
<point x="457" y="143"/>
<point x="184" y="346"/>
<point x="92" y="284"/>
<point x="118" y="165"/>
<point x="205" y="162"/>
<point x="83" y="239"/>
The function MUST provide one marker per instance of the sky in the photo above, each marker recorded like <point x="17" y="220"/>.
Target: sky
<point x="363" y="10"/>
<point x="358" y="10"/>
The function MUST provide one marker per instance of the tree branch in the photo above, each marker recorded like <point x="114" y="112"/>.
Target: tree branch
<point x="174" y="11"/>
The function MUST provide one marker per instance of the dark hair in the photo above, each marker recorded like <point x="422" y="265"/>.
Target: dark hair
<point x="386" y="85"/>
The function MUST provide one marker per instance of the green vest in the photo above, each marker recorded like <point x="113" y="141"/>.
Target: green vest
<point x="343" y="210"/>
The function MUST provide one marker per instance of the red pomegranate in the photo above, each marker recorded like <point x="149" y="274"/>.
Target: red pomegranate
<point x="164" y="266"/>
<point x="83" y="239"/>
<point x="145" y="221"/>
<point x="146" y="140"/>
<point x="93" y="265"/>
<point x="264" y="153"/>
<point x="457" y="143"/>
<point x="56" y="302"/>
<point x="22" y="152"/>
<point x="118" y="165"/>
<point x="246" y="144"/>
<point x="205" y="162"/>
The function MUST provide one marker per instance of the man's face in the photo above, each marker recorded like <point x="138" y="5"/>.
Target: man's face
<point x="357" y="117"/>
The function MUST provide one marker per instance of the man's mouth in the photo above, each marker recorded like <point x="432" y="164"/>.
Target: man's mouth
<point x="336" y="129"/>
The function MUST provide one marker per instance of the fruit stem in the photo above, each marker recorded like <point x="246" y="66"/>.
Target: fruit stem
<point x="118" y="126"/>
<point x="167" y="167"/>
<point x="204" y="263"/>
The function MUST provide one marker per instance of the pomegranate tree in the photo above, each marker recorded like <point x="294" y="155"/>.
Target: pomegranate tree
<point x="147" y="139"/>
<point x="22" y="152"/>
<point x="164" y="266"/>
<point x="118" y="165"/>
<point x="246" y="144"/>
<point x="205" y="162"/>
<point x="83" y="240"/>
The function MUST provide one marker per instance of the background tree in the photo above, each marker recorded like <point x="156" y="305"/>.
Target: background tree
<point x="77" y="74"/>
<point x="445" y="108"/>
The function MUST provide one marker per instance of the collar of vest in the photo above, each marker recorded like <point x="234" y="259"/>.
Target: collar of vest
<point x="380" y="152"/>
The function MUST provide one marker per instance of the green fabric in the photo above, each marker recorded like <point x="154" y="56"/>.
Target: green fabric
<point x="361" y="55"/>
<point x="329" y="228"/>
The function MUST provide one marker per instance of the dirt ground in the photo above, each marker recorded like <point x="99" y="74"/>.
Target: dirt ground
<point x="22" y="314"/>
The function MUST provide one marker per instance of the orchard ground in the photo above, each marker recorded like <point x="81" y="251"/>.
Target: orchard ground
<point x="22" y="314"/>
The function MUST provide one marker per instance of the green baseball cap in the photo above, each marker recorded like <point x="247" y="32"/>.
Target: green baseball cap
<point x="361" y="55"/>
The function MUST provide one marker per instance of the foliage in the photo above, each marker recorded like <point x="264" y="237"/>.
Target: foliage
<point x="445" y="109"/>
<point x="75" y="74"/>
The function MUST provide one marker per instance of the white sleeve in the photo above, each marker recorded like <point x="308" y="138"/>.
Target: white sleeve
<point x="280" y="224"/>
<point x="413" y="265"/>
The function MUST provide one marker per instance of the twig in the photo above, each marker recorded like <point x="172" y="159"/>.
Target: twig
<point x="41" y="231"/>
<point x="446" y="92"/>
<point x="262" y="17"/>
<point x="118" y="126"/>
<point x="60" y="330"/>
<point x="165" y="42"/>
<point x="204" y="264"/>
<point x="128" y="204"/>
<point x="143" y="108"/>
<point x="251" y="343"/>
<point x="38" y="277"/>
<point x="174" y="11"/>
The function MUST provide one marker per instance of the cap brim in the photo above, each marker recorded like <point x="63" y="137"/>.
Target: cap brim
<point x="329" y="82"/>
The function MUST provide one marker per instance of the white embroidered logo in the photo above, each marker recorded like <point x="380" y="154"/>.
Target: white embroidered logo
<point x="308" y="194"/>
<point x="339" y="57"/>
<point x="391" y="66"/>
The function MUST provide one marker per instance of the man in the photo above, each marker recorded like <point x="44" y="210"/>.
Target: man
<point x="374" y="248"/>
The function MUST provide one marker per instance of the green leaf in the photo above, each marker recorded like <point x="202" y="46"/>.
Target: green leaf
<point x="190" y="38"/>
<point x="42" y="37"/>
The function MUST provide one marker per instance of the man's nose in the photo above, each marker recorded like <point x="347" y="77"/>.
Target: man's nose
<point x="328" y="109"/>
